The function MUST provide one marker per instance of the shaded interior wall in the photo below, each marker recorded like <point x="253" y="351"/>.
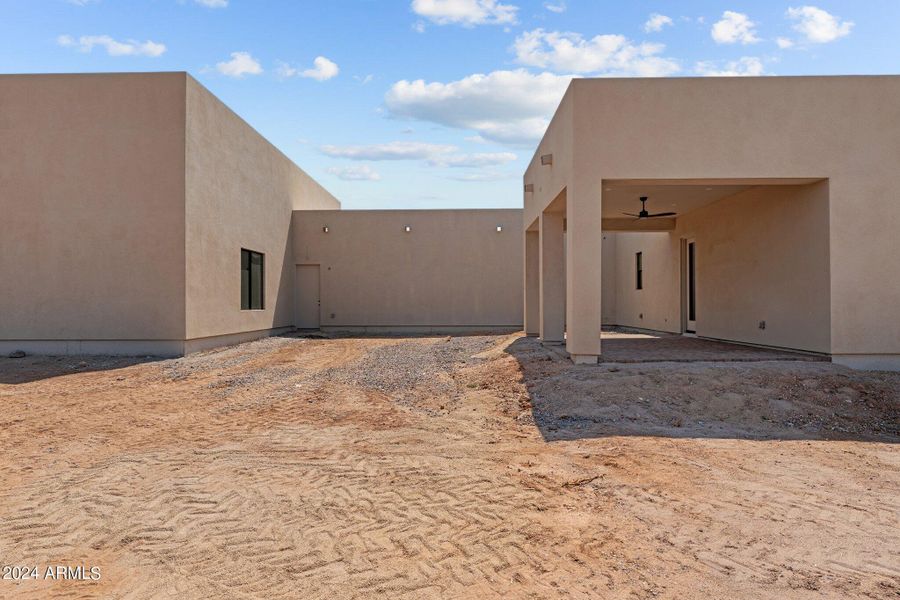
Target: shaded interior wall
<point x="762" y="255"/>
<point x="609" y="279"/>
<point x="92" y="207"/>
<point x="657" y="305"/>
<point x="240" y="193"/>
<point x="453" y="269"/>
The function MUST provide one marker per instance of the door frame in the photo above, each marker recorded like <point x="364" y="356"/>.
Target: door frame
<point x="297" y="299"/>
<point x="688" y="291"/>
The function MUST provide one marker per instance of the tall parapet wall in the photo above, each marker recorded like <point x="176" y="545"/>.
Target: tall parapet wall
<point x="410" y="270"/>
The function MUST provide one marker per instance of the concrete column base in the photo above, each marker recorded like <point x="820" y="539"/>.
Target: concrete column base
<point x="585" y="359"/>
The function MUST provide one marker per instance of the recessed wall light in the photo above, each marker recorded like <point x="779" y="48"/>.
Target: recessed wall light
<point x="407" y="228"/>
<point x="325" y="229"/>
<point x="499" y="228"/>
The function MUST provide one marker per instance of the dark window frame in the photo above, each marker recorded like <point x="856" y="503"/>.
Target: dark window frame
<point x="249" y="299"/>
<point x="692" y="281"/>
<point x="639" y="270"/>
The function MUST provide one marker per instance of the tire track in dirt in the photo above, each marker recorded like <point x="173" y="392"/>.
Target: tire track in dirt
<point x="414" y="468"/>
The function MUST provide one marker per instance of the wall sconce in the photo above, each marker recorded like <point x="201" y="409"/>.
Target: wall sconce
<point x="325" y="229"/>
<point x="407" y="228"/>
<point x="546" y="159"/>
<point x="499" y="228"/>
<point x="529" y="187"/>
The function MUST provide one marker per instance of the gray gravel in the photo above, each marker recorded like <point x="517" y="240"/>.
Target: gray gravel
<point x="398" y="369"/>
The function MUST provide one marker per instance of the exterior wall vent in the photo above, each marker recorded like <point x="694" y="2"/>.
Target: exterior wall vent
<point x="546" y="159"/>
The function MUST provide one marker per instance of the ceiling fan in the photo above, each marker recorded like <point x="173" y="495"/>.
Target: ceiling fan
<point x="645" y="215"/>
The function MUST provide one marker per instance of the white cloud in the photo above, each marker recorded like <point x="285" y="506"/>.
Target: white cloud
<point x="784" y="43"/>
<point x="558" y="7"/>
<point x="389" y="151"/>
<point x="212" y="3"/>
<point x="241" y="63"/>
<point x="511" y="107"/>
<point x="113" y="47"/>
<point x="323" y="69"/>
<point x="285" y="71"/>
<point x="748" y="66"/>
<point x="734" y="27"/>
<point x="355" y="173"/>
<point x="818" y="26"/>
<point x="466" y="12"/>
<point x="436" y="155"/>
<point x="481" y="159"/>
<point x="603" y="54"/>
<point x="656" y="22"/>
<point x="486" y="176"/>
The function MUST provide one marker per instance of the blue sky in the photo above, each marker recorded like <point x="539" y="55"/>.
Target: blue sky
<point x="434" y="103"/>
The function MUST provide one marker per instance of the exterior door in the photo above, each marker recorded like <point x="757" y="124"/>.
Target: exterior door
<point x="690" y="286"/>
<point x="306" y="297"/>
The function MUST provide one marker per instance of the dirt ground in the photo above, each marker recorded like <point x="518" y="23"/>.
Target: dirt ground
<point x="474" y="466"/>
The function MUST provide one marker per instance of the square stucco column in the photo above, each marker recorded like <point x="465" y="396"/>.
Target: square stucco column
<point x="532" y="283"/>
<point x="584" y="242"/>
<point x="552" y="278"/>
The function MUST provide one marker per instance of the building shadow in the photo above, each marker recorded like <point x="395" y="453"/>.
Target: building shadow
<point x="704" y="392"/>
<point x="32" y="368"/>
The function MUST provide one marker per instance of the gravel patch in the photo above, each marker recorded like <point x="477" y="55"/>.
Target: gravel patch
<point x="398" y="370"/>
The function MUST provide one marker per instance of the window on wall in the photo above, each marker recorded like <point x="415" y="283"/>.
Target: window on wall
<point x="639" y="270"/>
<point x="252" y="280"/>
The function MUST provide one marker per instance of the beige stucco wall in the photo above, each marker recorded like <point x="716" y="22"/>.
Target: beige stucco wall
<point x="452" y="270"/>
<point x="842" y="129"/>
<point x="610" y="277"/>
<point x="240" y="193"/>
<point x="657" y="306"/>
<point x="548" y="181"/>
<point x="91" y="210"/>
<point x="762" y="255"/>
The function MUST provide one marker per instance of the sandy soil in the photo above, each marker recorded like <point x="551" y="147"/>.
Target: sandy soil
<point x="448" y="467"/>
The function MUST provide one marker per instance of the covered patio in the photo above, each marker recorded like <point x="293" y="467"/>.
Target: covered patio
<point x="728" y="260"/>
<point x="624" y="345"/>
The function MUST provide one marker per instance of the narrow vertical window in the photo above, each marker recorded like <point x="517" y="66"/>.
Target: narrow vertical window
<point x="639" y="270"/>
<point x="252" y="280"/>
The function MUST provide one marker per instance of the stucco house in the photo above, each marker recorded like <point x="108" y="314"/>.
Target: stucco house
<point x="142" y="216"/>
<point x="780" y="199"/>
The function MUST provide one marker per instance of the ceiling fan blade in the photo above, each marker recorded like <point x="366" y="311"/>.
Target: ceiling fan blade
<point x="665" y="214"/>
<point x="632" y="215"/>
